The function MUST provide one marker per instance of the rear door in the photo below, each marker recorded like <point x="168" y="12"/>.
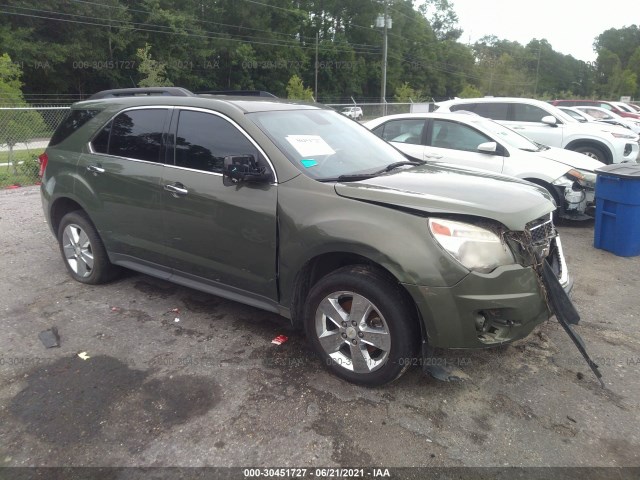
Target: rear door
<point x="222" y="235"/>
<point x="119" y="182"/>
<point x="407" y="134"/>
<point x="457" y="143"/>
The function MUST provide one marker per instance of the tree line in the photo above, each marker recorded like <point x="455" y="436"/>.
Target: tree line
<point x="67" y="49"/>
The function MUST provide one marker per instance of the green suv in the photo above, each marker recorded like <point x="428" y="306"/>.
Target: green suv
<point x="295" y="209"/>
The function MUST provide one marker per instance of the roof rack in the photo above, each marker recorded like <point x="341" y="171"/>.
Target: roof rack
<point x="240" y="93"/>
<point x="134" y="92"/>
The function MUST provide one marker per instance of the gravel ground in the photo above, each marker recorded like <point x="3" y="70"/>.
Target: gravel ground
<point x="211" y="389"/>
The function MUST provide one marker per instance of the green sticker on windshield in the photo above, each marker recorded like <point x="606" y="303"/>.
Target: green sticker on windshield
<point x="308" y="162"/>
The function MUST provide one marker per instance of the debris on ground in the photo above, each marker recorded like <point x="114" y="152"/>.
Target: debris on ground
<point x="176" y="319"/>
<point x="50" y="337"/>
<point x="115" y="309"/>
<point x="280" y="339"/>
<point x="84" y="356"/>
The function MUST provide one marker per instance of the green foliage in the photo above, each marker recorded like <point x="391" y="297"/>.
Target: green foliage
<point x="154" y="72"/>
<point x="469" y="91"/>
<point x="238" y="44"/>
<point x="404" y="94"/>
<point x="297" y="91"/>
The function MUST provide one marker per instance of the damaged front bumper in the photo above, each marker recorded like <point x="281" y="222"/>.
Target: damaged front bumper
<point x="577" y="197"/>
<point x="487" y="309"/>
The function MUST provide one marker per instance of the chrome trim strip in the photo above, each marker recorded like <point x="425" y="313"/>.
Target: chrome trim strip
<point x="248" y="137"/>
<point x="194" y="109"/>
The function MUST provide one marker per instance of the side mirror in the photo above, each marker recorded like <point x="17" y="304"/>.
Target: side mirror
<point x="243" y="168"/>
<point x="488" y="147"/>
<point x="550" y="120"/>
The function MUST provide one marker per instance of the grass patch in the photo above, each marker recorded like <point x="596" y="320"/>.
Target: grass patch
<point x="24" y="172"/>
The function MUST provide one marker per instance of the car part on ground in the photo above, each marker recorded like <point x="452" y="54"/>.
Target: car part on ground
<point x="289" y="207"/>
<point x="547" y="124"/>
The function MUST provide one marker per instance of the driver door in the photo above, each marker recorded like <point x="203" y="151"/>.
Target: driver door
<point x="217" y="234"/>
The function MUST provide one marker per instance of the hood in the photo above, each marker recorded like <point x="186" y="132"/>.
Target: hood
<point x="438" y="189"/>
<point x="601" y="128"/>
<point x="570" y="159"/>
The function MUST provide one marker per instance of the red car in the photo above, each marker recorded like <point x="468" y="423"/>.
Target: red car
<point x="595" y="103"/>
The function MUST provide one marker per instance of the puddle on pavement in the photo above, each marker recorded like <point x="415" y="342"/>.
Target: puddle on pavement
<point x="73" y="400"/>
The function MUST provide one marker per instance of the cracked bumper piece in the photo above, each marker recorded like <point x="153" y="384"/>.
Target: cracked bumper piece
<point x="482" y="310"/>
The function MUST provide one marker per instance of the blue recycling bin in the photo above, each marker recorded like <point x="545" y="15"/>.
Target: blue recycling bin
<point x="617" y="227"/>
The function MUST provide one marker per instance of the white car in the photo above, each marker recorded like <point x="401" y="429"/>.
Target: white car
<point x="549" y="125"/>
<point x="584" y="117"/>
<point x="605" y="115"/>
<point x="626" y="107"/>
<point x="352" y="112"/>
<point x="471" y="141"/>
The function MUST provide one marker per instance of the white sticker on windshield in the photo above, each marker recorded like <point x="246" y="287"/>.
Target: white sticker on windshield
<point x="310" y="145"/>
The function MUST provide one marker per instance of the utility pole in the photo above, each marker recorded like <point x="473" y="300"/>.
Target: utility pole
<point x="384" y="22"/>
<point x="316" y="84"/>
<point x="383" y="91"/>
<point x="535" y="89"/>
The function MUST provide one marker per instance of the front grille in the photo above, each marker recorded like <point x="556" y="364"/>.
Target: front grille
<point x="541" y="231"/>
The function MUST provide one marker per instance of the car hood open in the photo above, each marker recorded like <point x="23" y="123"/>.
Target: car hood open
<point x="438" y="189"/>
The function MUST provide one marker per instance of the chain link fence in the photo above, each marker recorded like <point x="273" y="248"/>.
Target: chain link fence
<point x="375" y="110"/>
<point x="24" y="134"/>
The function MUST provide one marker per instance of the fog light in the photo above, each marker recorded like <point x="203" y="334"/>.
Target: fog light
<point x="481" y="323"/>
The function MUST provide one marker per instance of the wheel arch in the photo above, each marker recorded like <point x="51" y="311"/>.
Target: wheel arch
<point x="322" y="265"/>
<point x="59" y="208"/>
<point x="553" y="191"/>
<point x="574" y="144"/>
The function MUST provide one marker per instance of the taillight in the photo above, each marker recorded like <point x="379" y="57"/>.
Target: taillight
<point x="43" y="163"/>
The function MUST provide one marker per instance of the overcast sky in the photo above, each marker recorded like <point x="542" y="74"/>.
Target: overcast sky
<point x="570" y="26"/>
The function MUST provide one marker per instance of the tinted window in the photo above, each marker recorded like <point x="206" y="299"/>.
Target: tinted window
<point x="528" y="113"/>
<point x="494" y="111"/>
<point x="469" y="107"/>
<point x="203" y="140"/>
<point x="100" y="143"/>
<point x="403" y="131"/>
<point x="456" y="136"/>
<point x="134" y="134"/>
<point x="74" y="120"/>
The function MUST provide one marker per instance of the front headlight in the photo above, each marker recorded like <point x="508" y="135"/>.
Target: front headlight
<point x="476" y="248"/>
<point x="583" y="177"/>
<point x="628" y="136"/>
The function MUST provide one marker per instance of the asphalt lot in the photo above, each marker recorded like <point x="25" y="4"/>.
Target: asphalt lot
<point x="211" y="388"/>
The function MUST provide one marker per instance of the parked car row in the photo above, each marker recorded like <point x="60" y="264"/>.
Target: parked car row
<point x="619" y="108"/>
<point x="293" y="208"/>
<point x="548" y="125"/>
<point x="470" y="140"/>
<point x="601" y="115"/>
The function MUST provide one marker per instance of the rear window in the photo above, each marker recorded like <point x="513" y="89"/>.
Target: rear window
<point x="73" y="121"/>
<point x="135" y="134"/>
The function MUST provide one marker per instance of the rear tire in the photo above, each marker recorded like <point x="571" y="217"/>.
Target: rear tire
<point x="82" y="250"/>
<point x="371" y="346"/>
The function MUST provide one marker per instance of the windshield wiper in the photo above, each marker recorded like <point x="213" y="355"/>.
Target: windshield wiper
<point x="354" y="177"/>
<point x="394" y="165"/>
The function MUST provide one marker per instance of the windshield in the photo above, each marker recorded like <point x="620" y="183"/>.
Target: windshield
<point x="324" y="144"/>
<point x="506" y="135"/>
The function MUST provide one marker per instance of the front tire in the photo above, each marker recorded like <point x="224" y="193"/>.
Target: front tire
<point x="593" y="152"/>
<point x="362" y="325"/>
<point x="82" y="250"/>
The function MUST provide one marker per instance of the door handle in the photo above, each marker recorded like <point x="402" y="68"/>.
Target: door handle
<point x="95" y="169"/>
<point x="433" y="156"/>
<point x="177" y="189"/>
<point x="517" y="128"/>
